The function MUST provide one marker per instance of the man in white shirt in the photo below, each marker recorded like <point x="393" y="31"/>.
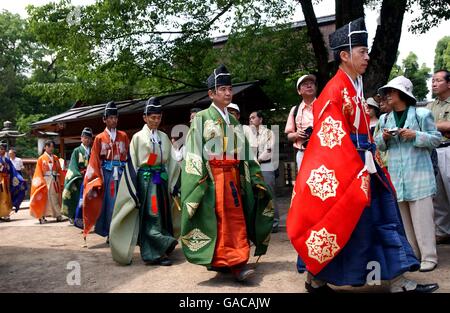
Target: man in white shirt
<point x="16" y="161"/>
<point x="262" y="142"/>
<point x="300" y="119"/>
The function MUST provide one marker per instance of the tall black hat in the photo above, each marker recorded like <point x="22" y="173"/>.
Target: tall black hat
<point x="111" y="109"/>
<point x="153" y="106"/>
<point x="87" y="131"/>
<point x="220" y="77"/>
<point x="350" y="35"/>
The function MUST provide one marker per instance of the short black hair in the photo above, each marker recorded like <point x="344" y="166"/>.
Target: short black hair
<point x="49" y="142"/>
<point x="258" y="113"/>
<point x="337" y="54"/>
<point x="447" y="74"/>
<point x="195" y="110"/>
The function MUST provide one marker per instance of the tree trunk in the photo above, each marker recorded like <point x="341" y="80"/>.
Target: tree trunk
<point x="385" y="45"/>
<point x="316" y="37"/>
<point x="348" y="10"/>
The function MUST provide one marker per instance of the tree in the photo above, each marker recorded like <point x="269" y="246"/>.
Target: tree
<point x="442" y="56"/>
<point x="135" y="49"/>
<point x="418" y="75"/>
<point x="14" y="50"/>
<point x="387" y="37"/>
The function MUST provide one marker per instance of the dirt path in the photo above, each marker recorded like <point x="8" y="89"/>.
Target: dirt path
<point x="34" y="258"/>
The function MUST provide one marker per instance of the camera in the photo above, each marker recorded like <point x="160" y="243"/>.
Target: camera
<point x="308" y="133"/>
<point x="393" y="131"/>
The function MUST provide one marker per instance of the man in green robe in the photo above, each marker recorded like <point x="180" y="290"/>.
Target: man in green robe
<point x="73" y="182"/>
<point x="225" y="201"/>
<point x="142" y="211"/>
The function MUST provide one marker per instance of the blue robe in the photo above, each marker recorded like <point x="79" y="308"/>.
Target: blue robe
<point x="379" y="236"/>
<point x="111" y="186"/>
<point x="18" y="185"/>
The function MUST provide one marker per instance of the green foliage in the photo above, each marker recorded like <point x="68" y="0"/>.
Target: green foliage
<point x="418" y="75"/>
<point x="271" y="55"/>
<point x="432" y="12"/>
<point x="122" y="49"/>
<point x="442" y="56"/>
<point x="125" y="49"/>
<point x="27" y="146"/>
<point x="14" y="53"/>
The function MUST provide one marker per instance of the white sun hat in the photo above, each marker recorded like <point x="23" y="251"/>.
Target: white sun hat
<point x="306" y="77"/>
<point x="400" y="83"/>
<point x="371" y="101"/>
<point x="233" y="106"/>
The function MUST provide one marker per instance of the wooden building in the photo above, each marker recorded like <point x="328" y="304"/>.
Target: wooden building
<point x="68" y="125"/>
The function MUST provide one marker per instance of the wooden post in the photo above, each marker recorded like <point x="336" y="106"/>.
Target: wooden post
<point x="61" y="148"/>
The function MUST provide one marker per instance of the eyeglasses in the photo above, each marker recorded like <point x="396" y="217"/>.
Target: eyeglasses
<point x="307" y="84"/>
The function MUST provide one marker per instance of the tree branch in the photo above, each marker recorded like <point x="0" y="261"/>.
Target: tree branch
<point x="175" y="80"/>
<point x="316" y="37"/>
<point x="168" y="32"/>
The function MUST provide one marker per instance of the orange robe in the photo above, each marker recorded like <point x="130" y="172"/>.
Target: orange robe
<point x="47" y="185"/>
<point x="103" y="149"/>
<point x="232" y="246"/>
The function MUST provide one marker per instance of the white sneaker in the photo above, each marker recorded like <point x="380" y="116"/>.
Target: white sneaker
<point x="427" y="266"/>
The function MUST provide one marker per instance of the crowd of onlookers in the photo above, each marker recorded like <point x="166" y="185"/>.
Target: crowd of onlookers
<point x="413" y="146"/>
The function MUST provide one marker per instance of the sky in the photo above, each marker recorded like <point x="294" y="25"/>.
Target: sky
<point x="422" y="45"/>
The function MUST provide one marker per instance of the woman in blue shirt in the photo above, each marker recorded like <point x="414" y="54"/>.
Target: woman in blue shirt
<point x="410" y="134"/>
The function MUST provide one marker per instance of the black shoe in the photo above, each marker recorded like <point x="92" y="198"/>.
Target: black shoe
<point x="107" y="240"/>
<point x="274" y="229"/>
<point x="224" y="270"/>
<point x="325" y="289"/>
<point x="244" y="274"/>
<point x="426" y="288"/>
<point x="171" y="247"/>
<point x="164" y="261"/>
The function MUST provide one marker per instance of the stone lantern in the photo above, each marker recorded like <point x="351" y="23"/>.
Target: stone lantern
<point x="9" y="135"/>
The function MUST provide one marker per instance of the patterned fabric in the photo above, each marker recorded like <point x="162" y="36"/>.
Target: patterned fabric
<point x="48" y="171"/>
<point x="18" y="185"/>
<point x="409" y="162"/>
<point x="106" y="155"/>
<point x="209" y="135"/>
<point x="340" y="216"/>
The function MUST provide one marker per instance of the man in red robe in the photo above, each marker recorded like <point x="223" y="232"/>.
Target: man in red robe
<point x="344" y="219"/>
<point x="108" y="156"/>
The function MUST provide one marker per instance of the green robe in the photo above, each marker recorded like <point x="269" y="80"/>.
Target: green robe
<point x="133" y="196"/>
<point x="72" y="182"/>
<point x="198" y="220"/>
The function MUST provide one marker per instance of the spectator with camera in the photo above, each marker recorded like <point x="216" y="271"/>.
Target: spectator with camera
<point x="300" y="120"/>
<point x="410" y="134"/>
<point x="299" y="126"/>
